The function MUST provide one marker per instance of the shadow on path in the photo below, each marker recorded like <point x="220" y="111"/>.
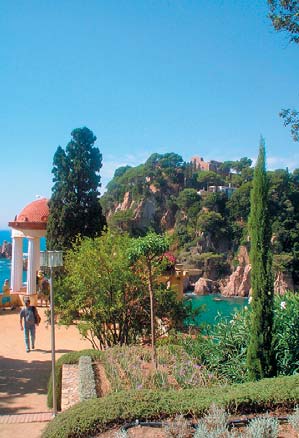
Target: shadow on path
<point x="19" y="378"/>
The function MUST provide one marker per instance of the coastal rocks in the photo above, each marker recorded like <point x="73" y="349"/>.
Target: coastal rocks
<point x="5" y="250"/>
<point x="283" y="282"/>
<point x="205" y="286"/>
<point x="239" y="282"/>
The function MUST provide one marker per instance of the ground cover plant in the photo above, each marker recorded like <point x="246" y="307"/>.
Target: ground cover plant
<point x="90" y="417"/>
<point x="131" y="368"/>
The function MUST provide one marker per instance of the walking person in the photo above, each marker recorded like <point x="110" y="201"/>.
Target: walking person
<point x="31" y="318"/>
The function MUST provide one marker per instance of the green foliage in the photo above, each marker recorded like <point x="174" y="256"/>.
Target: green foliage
<point x="120" y="171"/>
<point x="122" y="221"/>
<point x="260" y="357"/>
<point x="187" y="198"/>
<point x="211" y="222"/>
<point x="286" y="333"/>
<point x="74" y="205"/>
<point x="148" y="251"/>
<point x="149" y="248"/>
<point x="94" y="416"/>
<point x="284" y="15"/>
<point x="240" y="165"/>
<point x="101" y="289"/>
<point x="207" y="178"/>
<point x="214" y="201"/>
<point x="106" y="297"/>
<point x="291" y="118"/>
<point x="239" y="203"/>
<point x="282" y="262"/>
<point x="223" y="350"/>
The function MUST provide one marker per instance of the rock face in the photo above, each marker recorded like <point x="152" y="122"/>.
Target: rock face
<point x="204" y="286"/>
<point x="239" y="281"/>
<point x="283" y="282"/>
<point x="5" y="250"/>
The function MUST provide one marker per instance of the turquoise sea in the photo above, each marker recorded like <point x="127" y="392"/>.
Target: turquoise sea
<point x="5" y="264"/>
<point x="215" y="304"/>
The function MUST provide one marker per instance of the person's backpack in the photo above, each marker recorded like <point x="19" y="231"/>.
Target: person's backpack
<point x="37" y="318"/>
<point x="32" y="316"/>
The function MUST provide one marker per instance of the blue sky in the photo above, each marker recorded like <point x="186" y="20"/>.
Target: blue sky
<point x="195" y="77"/>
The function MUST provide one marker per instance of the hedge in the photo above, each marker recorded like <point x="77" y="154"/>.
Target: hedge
<point x="90" y="417"/>
<point x="87" y="385"/>
<point x="68" y="358"/>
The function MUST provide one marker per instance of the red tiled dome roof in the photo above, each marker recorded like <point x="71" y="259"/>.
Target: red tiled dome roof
<point x="37" y="211"/>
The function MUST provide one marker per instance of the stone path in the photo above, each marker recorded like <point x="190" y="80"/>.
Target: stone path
<point x="24" y="376"/>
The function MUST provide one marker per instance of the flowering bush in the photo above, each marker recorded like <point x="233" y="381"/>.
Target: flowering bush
<point x="286" y="333"/>
<point x="168" y="261"/>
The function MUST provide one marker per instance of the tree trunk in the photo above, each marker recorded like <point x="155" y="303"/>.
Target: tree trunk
<point x="152" y="304"/>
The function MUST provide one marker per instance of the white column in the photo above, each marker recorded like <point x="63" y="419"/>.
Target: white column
<point x="16" y="264"/>
<point x="37" y="254"/>
<point x="31" y="270"/>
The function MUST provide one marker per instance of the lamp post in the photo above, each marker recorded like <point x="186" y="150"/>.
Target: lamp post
<point x="52" y="259"/>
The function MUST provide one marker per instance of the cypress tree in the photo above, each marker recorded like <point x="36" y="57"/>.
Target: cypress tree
<point x="260" y="356"/>
<point x="74" y="205"/>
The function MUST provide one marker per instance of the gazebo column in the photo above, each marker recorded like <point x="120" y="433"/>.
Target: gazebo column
<point x="33" y="250"/>
<point x="16" y="264"/>
<point x="37" y="256"/>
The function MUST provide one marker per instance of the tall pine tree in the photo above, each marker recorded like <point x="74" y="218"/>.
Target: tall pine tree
<point x="260" y="356"/>
<point x="74" y="205"/>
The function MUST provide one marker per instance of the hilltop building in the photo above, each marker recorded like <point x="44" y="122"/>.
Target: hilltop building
<point x="200" y="164"/>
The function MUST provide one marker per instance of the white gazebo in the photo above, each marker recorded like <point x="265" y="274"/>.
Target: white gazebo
<point x="31" y="224"/>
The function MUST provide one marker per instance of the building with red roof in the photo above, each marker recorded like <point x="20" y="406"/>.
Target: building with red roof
<point x="30" y="223"/>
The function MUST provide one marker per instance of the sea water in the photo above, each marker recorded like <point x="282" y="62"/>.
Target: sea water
<point x="5" y="264"/>
<point x="215" y="305"/>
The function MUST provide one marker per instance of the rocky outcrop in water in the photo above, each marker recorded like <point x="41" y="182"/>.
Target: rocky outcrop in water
<point x="205" y="286"/>
<point x="5" y="250"/>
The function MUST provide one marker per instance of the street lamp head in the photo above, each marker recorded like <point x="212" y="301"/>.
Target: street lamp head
<point x="51" y="259"/>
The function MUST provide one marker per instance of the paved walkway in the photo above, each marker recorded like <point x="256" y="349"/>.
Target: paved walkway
<point x="24" y="376"/>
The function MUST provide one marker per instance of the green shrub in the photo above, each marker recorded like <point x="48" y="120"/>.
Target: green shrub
<point x="223" y="351"/>
<point x="68" y="358"/>
<point x="286" y="333"/>
<point x="90" y="417"/>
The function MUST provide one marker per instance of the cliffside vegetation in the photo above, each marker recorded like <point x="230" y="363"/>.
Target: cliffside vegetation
<point x="204" y="211"/>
